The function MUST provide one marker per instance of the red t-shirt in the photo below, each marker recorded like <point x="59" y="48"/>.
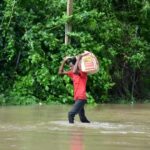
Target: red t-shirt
<point x="79" y="84"/>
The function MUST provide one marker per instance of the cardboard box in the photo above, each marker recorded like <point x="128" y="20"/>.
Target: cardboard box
<point x="89" y="63"/>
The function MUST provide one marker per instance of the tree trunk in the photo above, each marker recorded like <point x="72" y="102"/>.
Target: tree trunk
<point x="68" y="26"/>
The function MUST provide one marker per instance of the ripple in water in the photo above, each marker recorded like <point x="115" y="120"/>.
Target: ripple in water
<point x="105" y="127"/>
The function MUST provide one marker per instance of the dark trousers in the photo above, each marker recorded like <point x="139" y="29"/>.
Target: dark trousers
<point x="78" y="108"/>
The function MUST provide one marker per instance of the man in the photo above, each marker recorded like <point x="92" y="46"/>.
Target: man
<point x="79" y="79"/>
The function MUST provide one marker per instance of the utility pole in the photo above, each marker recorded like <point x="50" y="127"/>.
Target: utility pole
<point x="68" y="26"/>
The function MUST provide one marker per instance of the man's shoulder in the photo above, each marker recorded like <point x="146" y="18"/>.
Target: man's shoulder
<point x="69" y="72"/>
<point x="83" y="73"/>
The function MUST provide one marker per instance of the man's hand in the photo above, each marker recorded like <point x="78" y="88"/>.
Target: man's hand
<point x="78" y="56"/>
<point x="66" y="58"/>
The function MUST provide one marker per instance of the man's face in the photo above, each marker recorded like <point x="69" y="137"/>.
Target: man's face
<point x="71" y="65"/>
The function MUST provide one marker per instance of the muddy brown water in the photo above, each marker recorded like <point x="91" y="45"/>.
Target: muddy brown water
<point x="112" y="127"/>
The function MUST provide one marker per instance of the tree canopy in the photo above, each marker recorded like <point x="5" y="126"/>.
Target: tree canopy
<point x="32" y="47"/>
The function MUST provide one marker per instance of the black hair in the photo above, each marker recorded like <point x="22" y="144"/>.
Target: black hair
<point x="71" y="60"/>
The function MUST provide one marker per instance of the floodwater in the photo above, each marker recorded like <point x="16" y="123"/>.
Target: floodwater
<point x="112" y="127"/>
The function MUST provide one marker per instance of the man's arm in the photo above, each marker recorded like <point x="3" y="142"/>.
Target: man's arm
<point x="61" y="68"/>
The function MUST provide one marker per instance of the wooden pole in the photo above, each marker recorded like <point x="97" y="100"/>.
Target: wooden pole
<point x="68" y="26"/>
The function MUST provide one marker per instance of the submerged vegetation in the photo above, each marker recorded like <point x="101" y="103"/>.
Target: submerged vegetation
<point x="32" y="47"/>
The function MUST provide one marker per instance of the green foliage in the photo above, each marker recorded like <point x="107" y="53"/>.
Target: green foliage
<point x="32" y="46"/>
<point x="2" y="99"/>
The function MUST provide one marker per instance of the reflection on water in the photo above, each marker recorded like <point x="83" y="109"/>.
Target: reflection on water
<point x="76" y="140"/>
<point x="112" y="127"/>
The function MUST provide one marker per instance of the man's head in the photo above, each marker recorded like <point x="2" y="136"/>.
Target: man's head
<point x="71" y="61"/>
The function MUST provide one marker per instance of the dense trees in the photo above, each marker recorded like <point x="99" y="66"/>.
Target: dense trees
<point x="32" y="46"/>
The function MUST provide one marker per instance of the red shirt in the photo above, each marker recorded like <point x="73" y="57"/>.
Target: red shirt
<point x="79" y="84"/>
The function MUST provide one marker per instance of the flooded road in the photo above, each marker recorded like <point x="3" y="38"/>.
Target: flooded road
<point x="112" y="127"/>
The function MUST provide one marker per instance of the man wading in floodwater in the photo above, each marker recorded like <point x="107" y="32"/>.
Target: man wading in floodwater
<point x="79" y="79"/>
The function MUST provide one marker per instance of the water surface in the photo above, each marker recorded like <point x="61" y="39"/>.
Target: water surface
<point x="112" y="127"/>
